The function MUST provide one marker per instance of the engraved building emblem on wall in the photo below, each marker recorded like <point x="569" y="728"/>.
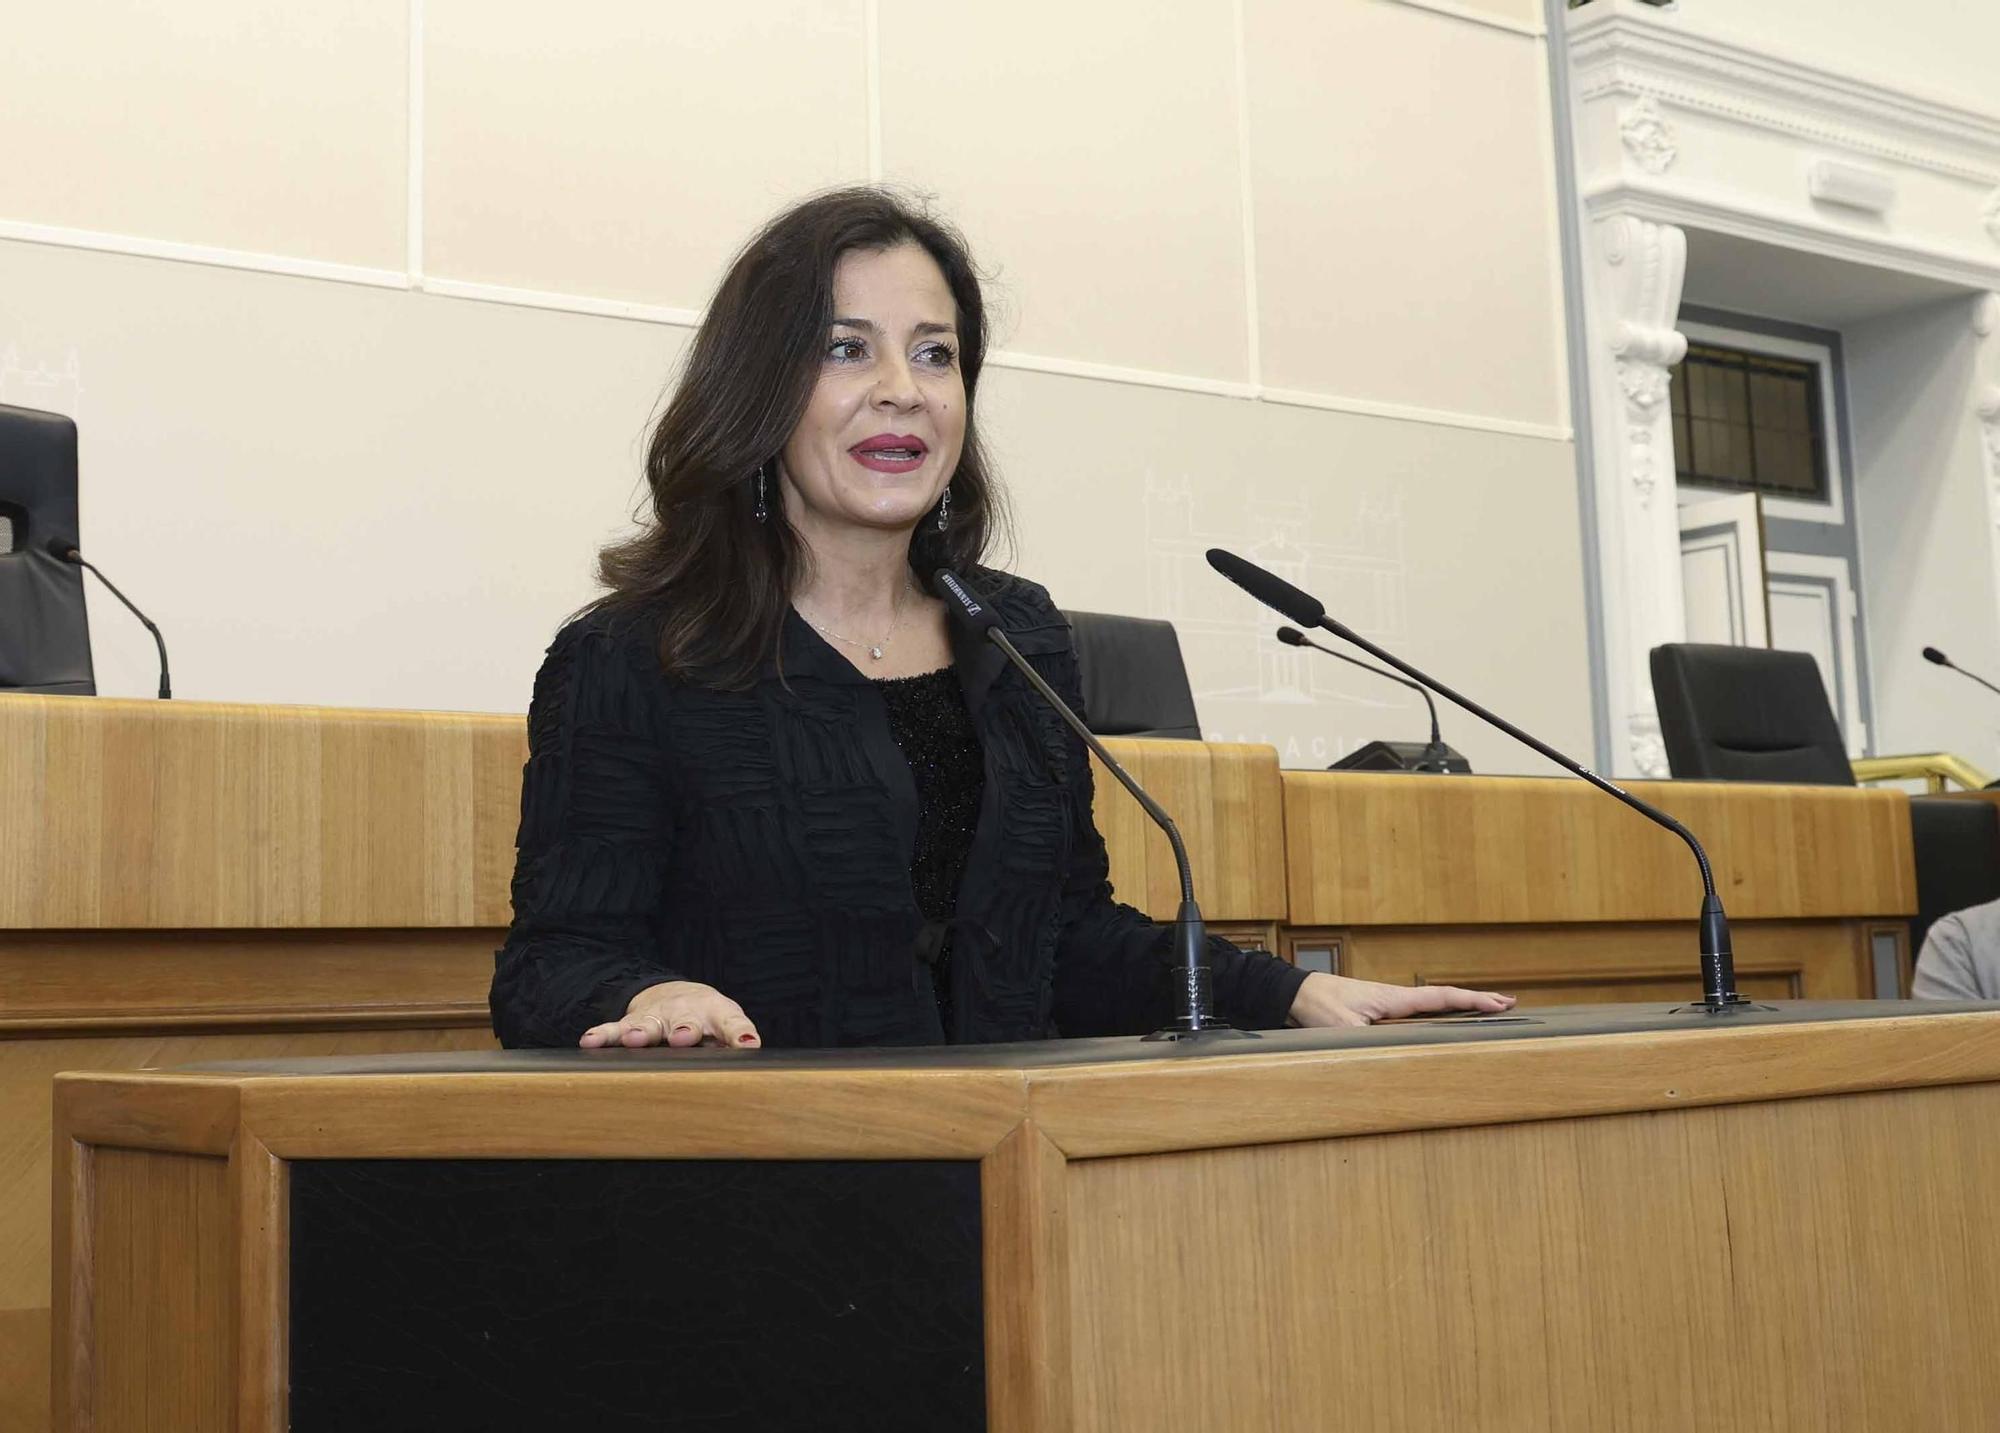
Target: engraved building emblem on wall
<point x="50" y="387"/>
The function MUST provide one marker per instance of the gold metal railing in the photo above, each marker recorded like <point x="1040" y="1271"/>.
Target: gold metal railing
<point x="1938" y="770"/>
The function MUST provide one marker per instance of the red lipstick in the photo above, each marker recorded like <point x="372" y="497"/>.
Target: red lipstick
<point x="890" y="452"/>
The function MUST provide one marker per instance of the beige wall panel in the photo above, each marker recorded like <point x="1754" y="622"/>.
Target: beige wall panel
<point x="1458" y="549"/>
<point x="340" y="495"/>
<point x="625" y="150"/>
<point x="326" y="493"/>
<point x="239" y="124"/>
<point x="1406" y="228"/>
<point x="1091" y="153"/>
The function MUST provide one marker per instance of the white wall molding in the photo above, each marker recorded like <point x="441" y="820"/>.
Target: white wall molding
<point x="1648" y="136"/>
<point x="174" y="251"/>
<point x="1528" y="29"/>
<point x="1614" y="54"/>
<point x="1409" y="413"/>
<point x="559" y="302"/>
<point x="1724" y="212"/>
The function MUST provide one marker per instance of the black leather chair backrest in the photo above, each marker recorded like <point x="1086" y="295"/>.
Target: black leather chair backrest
<point x="1135" y="682"/>
<point x="1956" y="843"/>
<point x="44" y="634"/>
<point x="1747" y="714"/>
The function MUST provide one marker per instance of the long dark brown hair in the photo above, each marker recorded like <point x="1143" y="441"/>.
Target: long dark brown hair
<point x="719" y="580"/>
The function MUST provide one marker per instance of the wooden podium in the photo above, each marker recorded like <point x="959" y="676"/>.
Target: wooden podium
<point x="1587" y="1218"/>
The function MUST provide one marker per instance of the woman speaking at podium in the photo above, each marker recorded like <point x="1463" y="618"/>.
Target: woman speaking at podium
<point x="773" y="797"/>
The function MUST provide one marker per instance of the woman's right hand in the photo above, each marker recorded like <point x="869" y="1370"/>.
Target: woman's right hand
<point x="677" y="1013"/>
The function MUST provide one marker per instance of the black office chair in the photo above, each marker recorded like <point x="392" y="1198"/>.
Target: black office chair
<point x="44" y="633"/>
<point x="1747" y="714"/>
<point x="1956" y="843"/>
<point x="1135" y="682"/>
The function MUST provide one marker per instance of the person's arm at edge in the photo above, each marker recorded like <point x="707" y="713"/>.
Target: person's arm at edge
<point x="1944" y="967"/>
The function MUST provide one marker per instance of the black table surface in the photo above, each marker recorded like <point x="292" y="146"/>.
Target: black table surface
<point x="1565" y="1020"/>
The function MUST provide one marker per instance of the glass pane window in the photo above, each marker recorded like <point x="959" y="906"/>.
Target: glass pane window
<point x="1750" y="422"/>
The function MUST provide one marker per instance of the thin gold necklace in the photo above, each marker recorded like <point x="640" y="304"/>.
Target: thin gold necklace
<point x="875" y="648"/>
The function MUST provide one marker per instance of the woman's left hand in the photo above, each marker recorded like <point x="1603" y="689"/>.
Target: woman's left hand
<point x="1339" y="1000"/>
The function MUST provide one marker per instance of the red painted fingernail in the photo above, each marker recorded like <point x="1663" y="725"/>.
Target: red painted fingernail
<point x="746" y="1039"/>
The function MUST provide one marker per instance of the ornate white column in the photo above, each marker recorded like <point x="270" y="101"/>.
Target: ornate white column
<point x="1986" y="388"/>
<point x="1632" y="296"/>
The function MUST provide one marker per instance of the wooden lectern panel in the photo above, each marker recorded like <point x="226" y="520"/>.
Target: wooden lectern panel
<point x="1715" y="1268"/>
<point x="1619" y="1218"/>
<point x="161" y="1226"/>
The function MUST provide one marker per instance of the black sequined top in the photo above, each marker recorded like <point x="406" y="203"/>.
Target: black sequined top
<point x="933" y="729"/>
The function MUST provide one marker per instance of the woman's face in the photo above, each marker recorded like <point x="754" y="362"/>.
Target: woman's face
<point x="881" y="436"/>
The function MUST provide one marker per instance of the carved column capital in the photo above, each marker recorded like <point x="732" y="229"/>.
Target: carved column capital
<point x="1986" y="315"/>
<point x="1634" y="296"/>
<point x="1649" y="748"/>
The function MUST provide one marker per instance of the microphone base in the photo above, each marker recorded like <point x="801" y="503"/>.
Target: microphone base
<point x="1734" y="1005"/>
<point x="1182" y="1029"/>
<point x="1421" y="756"/>
<point x="1194" y="1001"/>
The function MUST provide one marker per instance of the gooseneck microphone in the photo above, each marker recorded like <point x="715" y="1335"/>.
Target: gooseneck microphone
<point x="64" y="550"/>
<point x="1435" y="755"/>
<point x="1932" y="654"/>
<point x="1718" y="962"/>
<point x="1194" y="995"/>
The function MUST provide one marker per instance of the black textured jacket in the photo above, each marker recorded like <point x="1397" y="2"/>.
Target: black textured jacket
<point x="761" y="841"/>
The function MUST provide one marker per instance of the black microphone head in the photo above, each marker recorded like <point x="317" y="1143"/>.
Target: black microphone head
<point x="1291" y="636"/>
<point x="965" y="604"/>
<point x="1268" y="588"/>
<point x="1932" y="654"/>
<point x="62" y="549"/>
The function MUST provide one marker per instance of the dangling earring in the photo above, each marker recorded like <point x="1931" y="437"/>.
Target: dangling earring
<point x="761" y="512"/>
<point x="944" y="509"/>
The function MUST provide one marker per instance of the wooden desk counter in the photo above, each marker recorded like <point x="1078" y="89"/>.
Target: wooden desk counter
<point x="186" y="880"/>
<point x="189" y="881"/>
<point x="1553" y="890"/>
<point x="1578" y="1220"/>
